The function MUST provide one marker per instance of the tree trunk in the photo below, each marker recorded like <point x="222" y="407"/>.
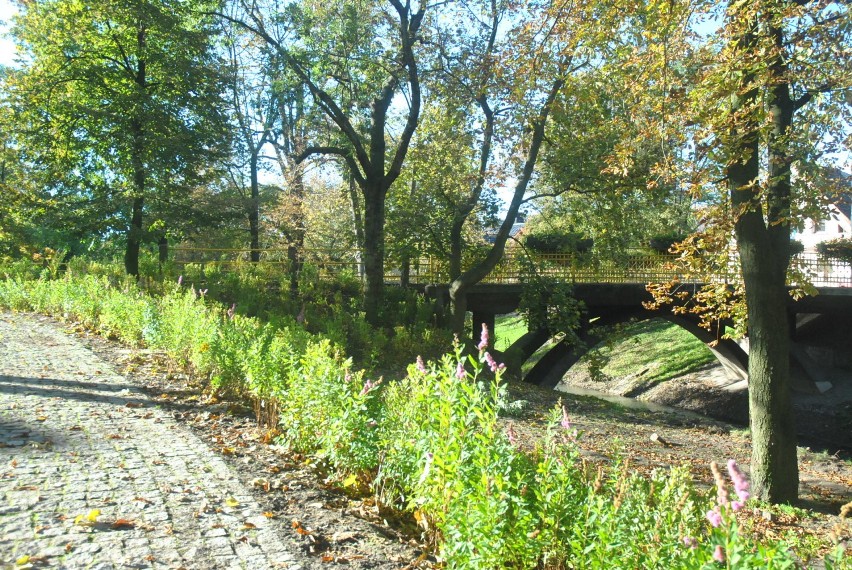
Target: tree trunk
<point x="163" y="249"/>
<point x="134" y="237"/>
<point x="254" y="210"/>
<point x="763" y="239"/>
<point x="134" y="233"/>
<point x="374" y="252"/>
<point x="358" y="222"/>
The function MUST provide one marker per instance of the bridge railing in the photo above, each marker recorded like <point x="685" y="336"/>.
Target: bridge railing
<point x="631" y="267"/>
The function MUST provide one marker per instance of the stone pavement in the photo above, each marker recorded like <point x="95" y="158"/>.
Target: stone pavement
<point x="76" y="438"/>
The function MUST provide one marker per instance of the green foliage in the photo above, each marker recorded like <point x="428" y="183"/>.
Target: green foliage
<point x="432" y="443"/>
<point x="840" y="248"/>
<point x="548" y="303"/>
<point x="662" y="243"/>
<point x="553" y="241"/>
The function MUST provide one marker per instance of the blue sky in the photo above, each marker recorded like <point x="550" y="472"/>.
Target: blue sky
<point x="7" y="48"/>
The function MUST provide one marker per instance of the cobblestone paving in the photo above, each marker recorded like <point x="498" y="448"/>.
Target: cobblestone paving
<point x="76" y="438"/>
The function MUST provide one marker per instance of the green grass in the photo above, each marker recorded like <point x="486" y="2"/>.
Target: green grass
<point x="656" y="350"/>
<point x="508" y="329"/>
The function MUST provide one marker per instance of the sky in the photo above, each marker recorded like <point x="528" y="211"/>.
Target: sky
<point x="7" y="48"/>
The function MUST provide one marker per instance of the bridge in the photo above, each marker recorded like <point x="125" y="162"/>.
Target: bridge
<point x="613" y="291"/>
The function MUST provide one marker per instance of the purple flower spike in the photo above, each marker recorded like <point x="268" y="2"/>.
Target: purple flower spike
<point x="719" y="554"/>
<point x="460" y="373"/>
<point x="714" y="517"/>
<point x="492" y="364"/>
<point x="180" y="280"/>
<point x="739" y="480"/>
<point x="483" y="339"/>
<point x="420" y="366"/>
<point x="566" y="422"/>
<point x="690" y="542"/>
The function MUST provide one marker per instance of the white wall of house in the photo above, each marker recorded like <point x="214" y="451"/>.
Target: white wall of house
<point x="836" y="225"/>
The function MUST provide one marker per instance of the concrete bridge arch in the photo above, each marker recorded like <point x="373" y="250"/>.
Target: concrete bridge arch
<point x="550" y="369"/>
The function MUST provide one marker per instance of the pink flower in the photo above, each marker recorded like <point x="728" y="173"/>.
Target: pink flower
<point x="714" y="517"/>
<point x="510" y="433"/>
<point x="719" y="554"/>
<point x="483" y="339"/>
<point x="232" y="311"/>
<point x="420" y="366"/>
<point x="736" y="505"/>
<point x="690" y="542"/>
<point x="460" y="373"/>
<point x="492" y="364"/>
<point x="739" y="480"/>
<point x="180" y="280"/>
<point x="565" y="423"/>
<point x="367" y="387"/>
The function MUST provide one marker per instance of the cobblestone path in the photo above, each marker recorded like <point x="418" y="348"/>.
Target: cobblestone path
<point x="77" y="438"/>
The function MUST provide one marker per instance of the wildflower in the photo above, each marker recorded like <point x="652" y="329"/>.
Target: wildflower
<point x="721" y="485"/>
<point x="420" y="366"/>
<point x="232" y="311"/>
<point x="719" y="554"/>
<point x="180" y="280"/>
<point x="202" y="292"/>
<point x="739" y="480"/>
<point x="348" y="377"/>
<point x="492" y="364"/>
<point x="510" y="433"/>
<point x="565" y="423"/>
<point x="714" y="517"/>
<point x="367" y="387"/>
<point x="483" y="339"/>
<point x="690" y="542"/>
<point x="736" y="505"/>
<point x="460" y="373"/>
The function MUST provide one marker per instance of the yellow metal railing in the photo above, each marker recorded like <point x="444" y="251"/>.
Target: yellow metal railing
<point x="638" y="267"/>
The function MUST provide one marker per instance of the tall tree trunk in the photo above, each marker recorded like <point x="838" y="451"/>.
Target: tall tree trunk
<point x="254" y="209"/>
<point x="469" y="278"/>
<point x="374" y="252"/>
<point x="358" y="222"/>
<point x="134" y="237"/>
<point x="763" y="245"/>
<point x="296" y="237"/>
<point x="134" y="234"/>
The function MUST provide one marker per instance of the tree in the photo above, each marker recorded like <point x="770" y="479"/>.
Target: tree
<point x="253" y="111"/>
<point x="735" y="115"/>
<point x="118" y="106"/>
<point x="511" y="66"/>
<point x="355" y="65"/>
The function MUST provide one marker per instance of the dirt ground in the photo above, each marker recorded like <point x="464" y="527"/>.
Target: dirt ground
<point x="332" y="527"/>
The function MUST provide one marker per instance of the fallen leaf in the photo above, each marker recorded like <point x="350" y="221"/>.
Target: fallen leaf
<point x="249" y="525"/>
<point x="41" y="419"/>
<point x="123" y="523"/>
<point x="134" y="405"/>
<point x="22" y="560"/>
<point x="351" y="480"/>
<point x="232" y="502"/>
<point x="269" y="514"/>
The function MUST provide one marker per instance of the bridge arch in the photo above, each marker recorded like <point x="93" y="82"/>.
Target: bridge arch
<point x="550" y="369"/>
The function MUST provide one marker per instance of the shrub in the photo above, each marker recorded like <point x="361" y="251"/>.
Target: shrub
<point x="559" y="242"/>
<point x="662" y="243"/>
<point x="840" y="249"/>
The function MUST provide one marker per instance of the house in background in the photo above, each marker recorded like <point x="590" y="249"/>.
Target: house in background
<point x="837" y="225"/>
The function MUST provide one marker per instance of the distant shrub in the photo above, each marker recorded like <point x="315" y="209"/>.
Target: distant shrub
<point x="840" y="249"/>
<point x="662" y="243"/>
<point x="558" y="242"/>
